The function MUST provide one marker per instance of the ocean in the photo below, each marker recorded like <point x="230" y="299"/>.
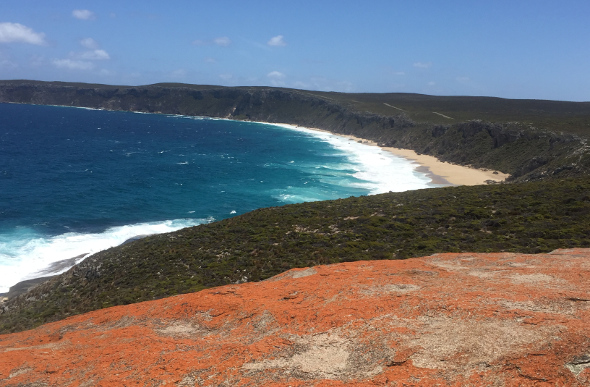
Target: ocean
<point x="76" y="181"/>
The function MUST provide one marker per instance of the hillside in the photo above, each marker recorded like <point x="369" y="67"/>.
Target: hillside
<point x="546" y="207"/>
<point x="527" y="217"/>
<point x="467" y="319"/>
<point x="527" y="139"/>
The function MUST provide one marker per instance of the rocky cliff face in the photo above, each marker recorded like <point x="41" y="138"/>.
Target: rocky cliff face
<point x="448" y="319"/>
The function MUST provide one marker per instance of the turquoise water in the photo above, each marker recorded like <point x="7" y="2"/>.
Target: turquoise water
<point x="76" y="181"/>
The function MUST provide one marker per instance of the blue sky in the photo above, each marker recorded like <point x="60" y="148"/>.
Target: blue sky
<point x="514" y="49"/>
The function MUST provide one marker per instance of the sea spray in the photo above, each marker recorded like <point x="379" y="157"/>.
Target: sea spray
<point x="374" y="168"/>
<point x="25" y="254"/>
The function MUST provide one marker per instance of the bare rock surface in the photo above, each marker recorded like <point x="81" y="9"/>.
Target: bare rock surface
<point x="499" y="319"/>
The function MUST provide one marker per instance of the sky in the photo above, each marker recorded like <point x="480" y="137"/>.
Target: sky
<point x="525" y="49"/>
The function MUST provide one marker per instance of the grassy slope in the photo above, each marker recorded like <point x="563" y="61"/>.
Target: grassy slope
<point x="526" y="217"/>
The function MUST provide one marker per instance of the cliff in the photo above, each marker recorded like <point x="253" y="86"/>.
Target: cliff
<point x="527" y="139"/>
<point x="448" y="320"/>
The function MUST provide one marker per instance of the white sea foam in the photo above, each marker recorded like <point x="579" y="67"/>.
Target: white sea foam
<point x="23" y="252"/>
<point x="369" y="167"/>
<point x="75" y="107"/>
<point x="379" y="171"/>
<point x="89" y="108"/>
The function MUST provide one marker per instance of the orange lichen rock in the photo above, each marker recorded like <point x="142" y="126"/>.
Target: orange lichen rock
<point x="449" y="319"/>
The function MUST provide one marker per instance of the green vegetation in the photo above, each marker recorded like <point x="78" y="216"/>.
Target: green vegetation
<point x="556" y="116"/>
<point x="527" y="217"/>
<point x="542" y="144"/>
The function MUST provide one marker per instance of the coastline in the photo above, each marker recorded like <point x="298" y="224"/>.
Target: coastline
<point x="440" y="172"/>
<point x="453" y="173"/>
<point x="54" y="269"/>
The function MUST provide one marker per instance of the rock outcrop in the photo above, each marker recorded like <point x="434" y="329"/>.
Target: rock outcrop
<point x="499" y="319"/>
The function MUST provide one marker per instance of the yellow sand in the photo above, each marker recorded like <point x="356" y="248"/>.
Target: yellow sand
<point x="440" y="172"/>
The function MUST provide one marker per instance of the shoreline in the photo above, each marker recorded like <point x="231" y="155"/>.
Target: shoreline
<point x="54" y="269"/>
<point x="453" y="173"/>
<point x="439" y="172"/>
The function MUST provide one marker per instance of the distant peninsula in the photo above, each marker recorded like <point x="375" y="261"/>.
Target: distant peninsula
<point x="527" y="139"/>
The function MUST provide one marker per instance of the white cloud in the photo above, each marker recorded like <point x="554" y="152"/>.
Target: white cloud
<point x="276" y="78"/>
<point x="210" y="60"/>
<point x="431" y="83"/>
<point x="422" y="65"/>
<point x="17" y="33"/>
<point x="73" y="64"/>
<point x="94" y="55"/>
<point x="463" y="79"/>
<point x="89" y="43"/>
<point x="222" y="41"/>
<point x="199" y="42"/>
<point x="83" y="14"/>
<point x="226" y="77"/>
<point x="277" y="41"/>
<point x="275" y="75"/>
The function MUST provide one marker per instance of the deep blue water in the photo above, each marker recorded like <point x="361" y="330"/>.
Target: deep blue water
<point x="75" y="181"/>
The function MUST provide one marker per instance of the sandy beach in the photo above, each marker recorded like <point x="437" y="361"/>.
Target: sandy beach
<point x="438" y="171"/>
<point x="453" y="173"/>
